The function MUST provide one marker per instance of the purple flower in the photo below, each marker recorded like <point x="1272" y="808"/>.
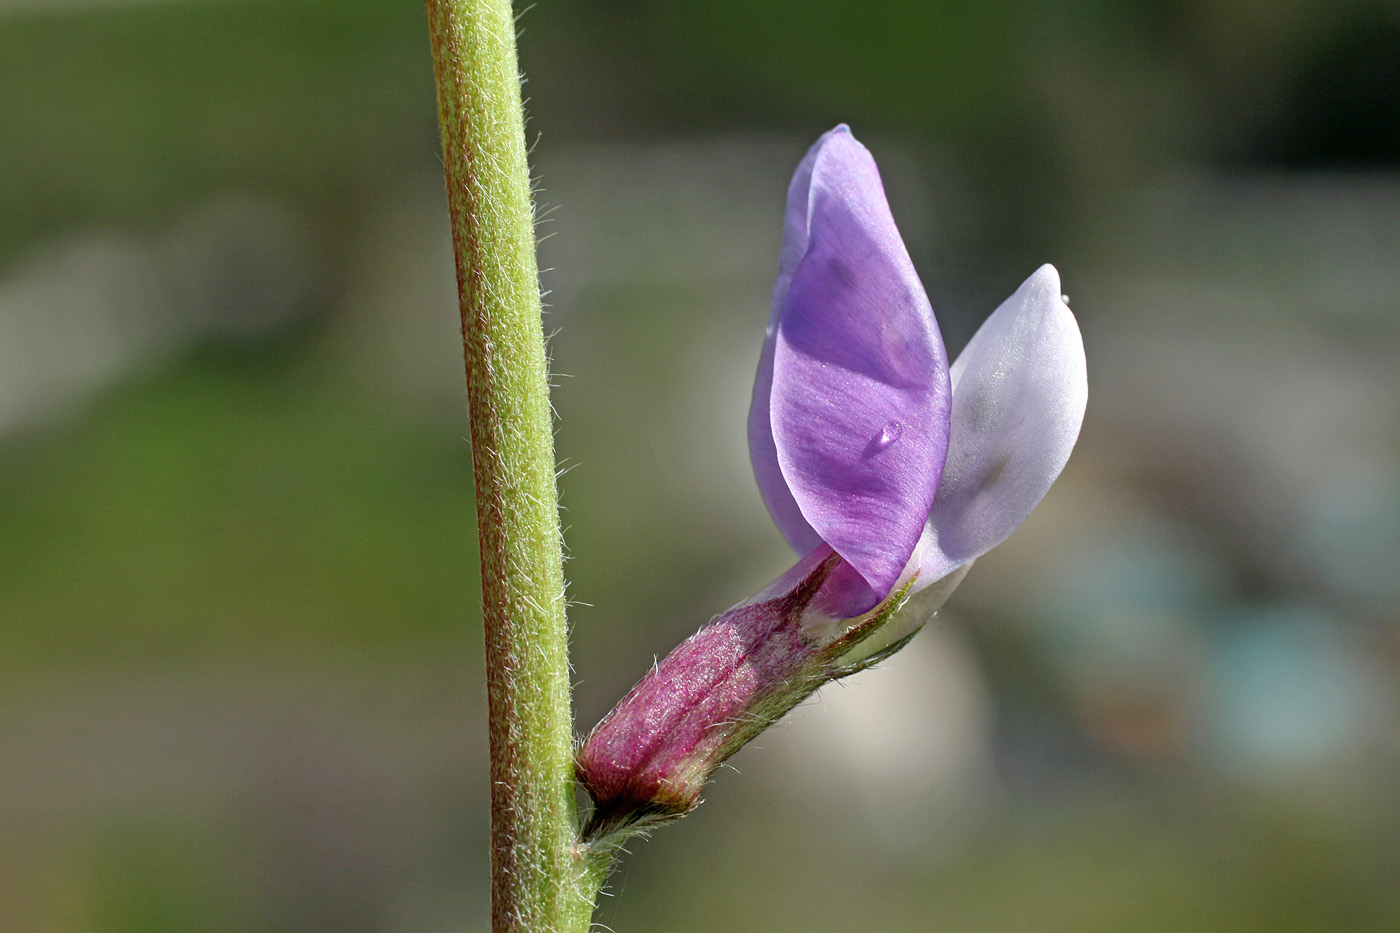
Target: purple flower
<point x="887" y="471"/>
<point x="862" y="437"/>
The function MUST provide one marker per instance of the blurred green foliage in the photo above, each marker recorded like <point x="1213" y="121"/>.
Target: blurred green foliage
<point x="116" y="114"/>
<point x="242" y="500"/>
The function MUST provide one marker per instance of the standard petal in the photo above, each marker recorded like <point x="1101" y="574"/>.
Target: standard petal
<point x="1019" y="390"/>
<point x="860" y="395"/>
<point x="762" y="451"/>
<point x="795" y="220"/>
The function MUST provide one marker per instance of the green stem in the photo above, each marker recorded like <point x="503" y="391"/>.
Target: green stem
<point x="543" y="879"/>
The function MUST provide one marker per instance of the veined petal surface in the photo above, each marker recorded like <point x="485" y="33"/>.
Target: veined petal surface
<point x="860" y="394"/>
<point x="763" y="453"/>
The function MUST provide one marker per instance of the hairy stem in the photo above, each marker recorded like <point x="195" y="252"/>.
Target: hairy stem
<point x="542" y="878"/>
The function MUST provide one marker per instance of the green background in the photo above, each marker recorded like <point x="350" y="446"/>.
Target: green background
<point x="240" y="674"/>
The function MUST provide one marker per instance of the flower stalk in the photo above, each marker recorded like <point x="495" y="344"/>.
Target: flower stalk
<point x="543" y="879"/>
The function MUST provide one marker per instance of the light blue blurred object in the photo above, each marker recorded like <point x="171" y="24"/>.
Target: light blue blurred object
<point x="1288" y="695"/>
<point x="1131" y="598"/>
<point x="1351" y="534"/>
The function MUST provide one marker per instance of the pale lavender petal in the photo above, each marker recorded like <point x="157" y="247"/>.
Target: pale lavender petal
<point x="860" y="394"/>
<point x="762" y="451"/>
<point x="1019" y="391"/>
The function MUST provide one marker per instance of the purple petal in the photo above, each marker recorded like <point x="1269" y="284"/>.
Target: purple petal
<point x="1019" y="391"/>
<point x="860" y="397"/>
<point x="762" y="451"/>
